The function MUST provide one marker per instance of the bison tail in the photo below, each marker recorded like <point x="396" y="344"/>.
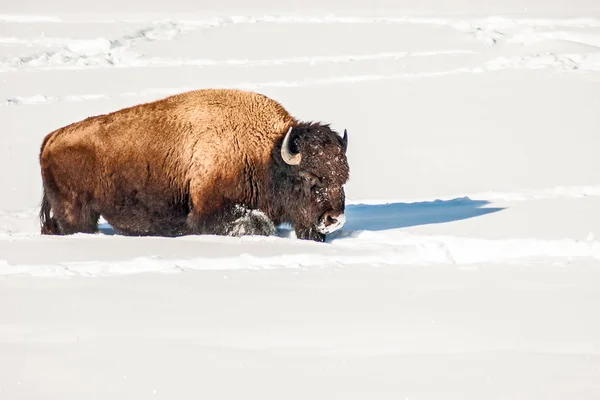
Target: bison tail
<point x="48" y="224"/>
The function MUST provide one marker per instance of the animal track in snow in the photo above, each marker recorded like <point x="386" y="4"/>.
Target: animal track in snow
<point x="494" y="30"/>
<point x="570" y="62"/>
<point x="95" y="52"/>
<point x="536" y="61"/>
<point x="104" y="54"/>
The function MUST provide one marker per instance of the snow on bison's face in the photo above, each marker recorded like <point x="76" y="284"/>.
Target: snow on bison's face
<point x="317" y="156"/>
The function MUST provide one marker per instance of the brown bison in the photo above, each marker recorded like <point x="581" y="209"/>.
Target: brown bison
<point x="215" y="161"/>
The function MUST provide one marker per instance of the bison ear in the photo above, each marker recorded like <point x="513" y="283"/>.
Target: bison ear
<point x="345" y="140"/>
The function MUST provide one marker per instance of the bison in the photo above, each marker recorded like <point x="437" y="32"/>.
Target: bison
<point x="210" y="161"/>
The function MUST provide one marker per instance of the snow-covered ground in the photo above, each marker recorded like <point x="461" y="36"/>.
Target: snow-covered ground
<point x="469" y="265"/>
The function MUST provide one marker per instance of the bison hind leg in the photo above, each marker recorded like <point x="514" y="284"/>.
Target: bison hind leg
<point x="74" y="215"/>
<point x="49" y="225"/>
<point x="246" y="221"/>
<point x="66" y="215"/>
<point x="78" y="219"/>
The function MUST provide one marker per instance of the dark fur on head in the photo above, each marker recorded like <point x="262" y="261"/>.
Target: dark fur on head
<point x="306" y="192"/>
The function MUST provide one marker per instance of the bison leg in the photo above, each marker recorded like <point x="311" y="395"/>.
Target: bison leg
<point x="309" y="234"/>
<point x="71" y="213"/>
<point x="49" y="225"/>
<point x="232" y="221"/>
<point x="71" y="217"/>
<point x="212" y="213"/>
<point x="75" y="215"/>
<point x="249" y="222"/>
<point x="68" y="191"/>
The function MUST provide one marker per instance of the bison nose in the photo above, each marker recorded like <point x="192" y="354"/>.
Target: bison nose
<point x="331" y="221"/>
<point x="330" y="218"/>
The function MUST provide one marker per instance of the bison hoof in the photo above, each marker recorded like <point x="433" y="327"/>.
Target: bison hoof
<point x="250" y="222"/>
<point x="310" y="234"/>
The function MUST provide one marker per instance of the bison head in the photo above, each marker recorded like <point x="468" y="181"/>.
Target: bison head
<point x="316" y="166"/>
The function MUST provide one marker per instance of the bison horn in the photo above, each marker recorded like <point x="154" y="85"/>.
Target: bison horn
<point x="286" y="154"/>
<point x="345" y="140"/>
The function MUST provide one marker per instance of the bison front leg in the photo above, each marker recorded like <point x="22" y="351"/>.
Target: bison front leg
<point x="245" y="221"/>
<point x="232" y="221"/>
<point x="211" y="213"/>
<point x="309" y="234"/>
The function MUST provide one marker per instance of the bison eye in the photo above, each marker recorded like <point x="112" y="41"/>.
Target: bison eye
<point x="311" y="179"/>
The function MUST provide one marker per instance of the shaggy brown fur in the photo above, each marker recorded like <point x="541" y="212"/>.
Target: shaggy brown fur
<point x="184" y="165"/>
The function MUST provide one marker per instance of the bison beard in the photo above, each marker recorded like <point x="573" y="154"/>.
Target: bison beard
<point x="224" y="162"/>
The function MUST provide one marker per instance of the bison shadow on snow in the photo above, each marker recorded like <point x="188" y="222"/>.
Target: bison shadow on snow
<point x="380" y="217"/>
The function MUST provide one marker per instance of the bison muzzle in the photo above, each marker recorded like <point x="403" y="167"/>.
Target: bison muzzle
<point x="213" y="161"/>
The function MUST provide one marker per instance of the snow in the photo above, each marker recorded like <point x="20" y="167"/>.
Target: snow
<point x="468" y="266"/>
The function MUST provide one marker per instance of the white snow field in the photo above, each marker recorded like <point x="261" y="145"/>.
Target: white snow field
<point x="469" y="265"/>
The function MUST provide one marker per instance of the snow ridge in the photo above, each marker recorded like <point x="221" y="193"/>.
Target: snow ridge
<point x="365" y="248"/>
